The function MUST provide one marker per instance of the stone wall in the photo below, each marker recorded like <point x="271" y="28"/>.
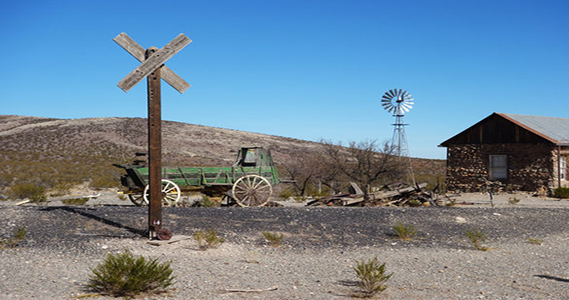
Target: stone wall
<point x="530" y="167"/>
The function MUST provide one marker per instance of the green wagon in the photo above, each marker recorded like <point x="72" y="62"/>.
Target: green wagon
<point x="248" y="182"/>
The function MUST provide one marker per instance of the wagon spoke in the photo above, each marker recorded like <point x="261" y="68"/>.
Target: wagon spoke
<point x="240" y="189"/>
<point x="169" y="199"/>
<point x="240" y="193"/>
<point x="262" y="187"/>
<point x="247" y="200"/>
<point x="258" y="184"/>
<point x="249" y="182"/>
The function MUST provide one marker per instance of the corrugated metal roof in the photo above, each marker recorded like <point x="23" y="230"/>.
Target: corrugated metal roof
<point x="554" y="129"/>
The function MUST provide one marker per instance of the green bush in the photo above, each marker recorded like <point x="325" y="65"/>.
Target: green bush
<point x="15" y="240"/>
<point x="561" y="192"/>
<point x="274" y="239"/>
<point x="372" y="276"/>
<point x="208" y="239"/>
<point x="477" y="237"/>
<point x="30" y="191"/>
<point x="404" y="231"/>
<point x="123" y="275"/>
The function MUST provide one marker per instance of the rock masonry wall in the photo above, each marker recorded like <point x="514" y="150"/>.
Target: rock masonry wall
<point x="530" y="167"/>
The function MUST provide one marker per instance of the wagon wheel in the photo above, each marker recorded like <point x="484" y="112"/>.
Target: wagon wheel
<point x="252" y="190"/>
<point x="137" y="199"/>
<point x="170" y="193"/>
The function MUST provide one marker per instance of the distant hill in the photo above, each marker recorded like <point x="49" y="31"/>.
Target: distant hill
<point x="39" y="149"/>
<point x="182" y="143"/>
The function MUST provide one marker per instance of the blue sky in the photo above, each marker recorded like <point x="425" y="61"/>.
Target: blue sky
<point x="303" y="69"/>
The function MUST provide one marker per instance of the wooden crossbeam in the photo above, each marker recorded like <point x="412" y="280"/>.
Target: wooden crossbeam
<point x="138" y="51"/>
<point x="154" y="62"/>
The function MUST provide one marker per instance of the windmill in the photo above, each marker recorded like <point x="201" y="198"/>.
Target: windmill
<point x="398" y="102"/>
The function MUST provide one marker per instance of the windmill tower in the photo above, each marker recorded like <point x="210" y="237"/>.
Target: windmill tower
<point x="398" y="102"/>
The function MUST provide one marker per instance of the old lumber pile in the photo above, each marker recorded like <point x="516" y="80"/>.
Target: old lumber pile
<point x="390" y="195"/>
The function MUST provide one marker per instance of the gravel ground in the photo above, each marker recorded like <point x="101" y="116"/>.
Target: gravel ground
<point x="316" y="259"/>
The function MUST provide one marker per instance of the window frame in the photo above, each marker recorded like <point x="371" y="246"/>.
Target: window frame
<point x="563" y="168"/>
<point x="497" y="172"/>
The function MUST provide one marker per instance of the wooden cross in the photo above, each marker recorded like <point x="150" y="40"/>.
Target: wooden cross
<point x="153" y="69"/>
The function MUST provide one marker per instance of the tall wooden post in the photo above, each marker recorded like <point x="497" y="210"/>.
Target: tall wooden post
<point x="153" y="68"/>
<point x="154" y="149"/>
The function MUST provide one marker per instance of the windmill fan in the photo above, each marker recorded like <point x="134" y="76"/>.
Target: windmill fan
<point x="397" y="101"/>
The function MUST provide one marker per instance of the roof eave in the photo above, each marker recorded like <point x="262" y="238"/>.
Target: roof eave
<point x="554" y="141"/>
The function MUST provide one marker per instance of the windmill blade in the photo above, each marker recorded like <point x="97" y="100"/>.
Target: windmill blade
<point x="393" y="93"/>
<point x="408" y="104"/>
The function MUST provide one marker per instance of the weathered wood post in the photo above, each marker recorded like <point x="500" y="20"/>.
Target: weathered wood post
<point x="154" y="148"/>
<point x="152" y="68"/>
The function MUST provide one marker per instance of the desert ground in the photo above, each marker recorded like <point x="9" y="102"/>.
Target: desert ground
<point x="320" y="247"/>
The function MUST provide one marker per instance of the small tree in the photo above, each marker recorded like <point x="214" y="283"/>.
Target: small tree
<point x="362" y="162"/>
<point x="309" y="174"/>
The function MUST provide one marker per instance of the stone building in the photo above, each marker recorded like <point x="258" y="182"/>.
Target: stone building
<point x="509" y="152"/>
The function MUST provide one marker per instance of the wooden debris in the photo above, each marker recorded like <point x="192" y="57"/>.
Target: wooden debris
<point x="174" y="239"/>
<point x="355" y="189"/>
<point x="274" y="288"/>
<point x="392" y="195"/>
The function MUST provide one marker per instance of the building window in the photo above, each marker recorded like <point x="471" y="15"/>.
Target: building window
<point x="498" y="167"/>
<point x="563" y="168"/>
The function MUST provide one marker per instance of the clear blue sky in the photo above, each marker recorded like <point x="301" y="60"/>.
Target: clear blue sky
<point x="303" y="69"/>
